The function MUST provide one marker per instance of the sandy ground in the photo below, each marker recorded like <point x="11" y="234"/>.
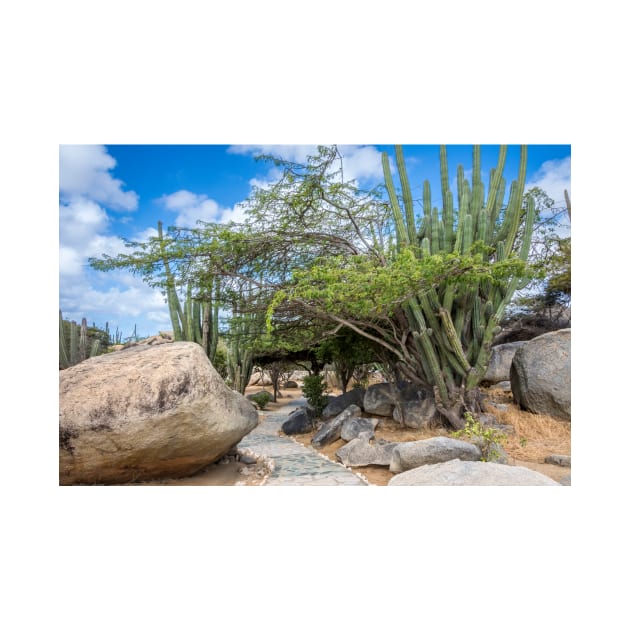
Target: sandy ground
<point x="229" y="472"/>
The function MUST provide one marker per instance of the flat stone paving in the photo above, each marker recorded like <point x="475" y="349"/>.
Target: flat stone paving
<point x="294" y="463"/>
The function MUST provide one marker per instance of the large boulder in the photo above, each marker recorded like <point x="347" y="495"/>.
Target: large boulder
<point x="361" y="452"/>
<point x="338" y="404"/>
<point x="146" y="412"/>
<point x="465" y="473"/>
<point x="302" y="420"/>
<point x="330" y="431"/>
<point x="408" y="455"/>
<point x="382" y="398"/>
<point x="501" y="361"/>
<point x="541" y="374"/>
<point x="416" y="413"/>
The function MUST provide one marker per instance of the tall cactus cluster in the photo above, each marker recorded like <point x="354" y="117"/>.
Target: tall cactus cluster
<point x="73" y="343"/>
<point x="198" y="318"/>
<point x="452" y="326"/>
<point x="240" y="358"/>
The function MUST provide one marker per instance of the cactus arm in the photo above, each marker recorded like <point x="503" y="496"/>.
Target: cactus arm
<point x="406" y="191"/>
<point x="401" y="229"/>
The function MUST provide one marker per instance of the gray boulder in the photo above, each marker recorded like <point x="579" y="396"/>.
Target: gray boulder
<point x="361" y="452"/>
<point x="540" y="376"/>
<point x="409" y="455"/>
<point x="381" y="399"/>
<point x="337" y="404"/>
<point x="291" y="385"/>
<point x="302" y="420"/>
<point x="147" y="412"/>
<point x="354" y="427"/>
<point x="416" y="413"/>
<point x="467" y="473"/>
<point x="330" y="431"/>
<point x="501" y="361"/>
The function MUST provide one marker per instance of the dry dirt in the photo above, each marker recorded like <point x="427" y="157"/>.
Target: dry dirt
<point x="534" y="438"/>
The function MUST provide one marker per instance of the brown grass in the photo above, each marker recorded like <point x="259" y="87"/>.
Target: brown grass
<point x="535" y="435"/>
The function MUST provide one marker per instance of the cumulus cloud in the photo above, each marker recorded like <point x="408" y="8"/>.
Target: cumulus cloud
<point x="361" y="163"/>
<point x="191" y="207"/>
<point x="87" y="190"/>
<point x="554" y="177"/>
<point x="84" y="172"/>
<point x="289" y="152"/>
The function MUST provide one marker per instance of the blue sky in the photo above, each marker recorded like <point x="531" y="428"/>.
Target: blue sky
<point x="110" y="192"/>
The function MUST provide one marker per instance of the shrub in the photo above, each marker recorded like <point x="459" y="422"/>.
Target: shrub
<point x="313" y="390"/>
<point x="486" y="438"/>
<point x="262" y="399"/>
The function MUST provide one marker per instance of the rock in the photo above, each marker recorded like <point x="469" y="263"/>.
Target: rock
<point x="144" y="413"/>
<point x="416" y="413"/>
<point x="559" y="460"/>
<point x="338" y="403"/>
<point x="565" y="481"/>
<point x="541" y="375"/>
<point x="487" y="420"/>
<point x="467" y="473"/>
<point x="409" y="455"/>
<point x="247" y="459"/>
<point x="360" y="452"/>
<point x="381" y="399"/>
<point x="302" y="420"/>
<point x="504" y="386"/>
<point x="291" y="385"/>
<point x="259" y="378"/>
<point x="500" y="361"/>
<point x="492" y="452"/>
<point x="354" y="427"/>
<point x="330" y="431"/>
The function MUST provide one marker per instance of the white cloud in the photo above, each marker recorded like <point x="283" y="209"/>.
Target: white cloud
<point x="290" y="152"/>
<point x="361" y="163"/>
<point x="86" y="189"/>
<point x="191" y="208"/>
<point x="84" y="173"/>
<point x="554" y="177"/>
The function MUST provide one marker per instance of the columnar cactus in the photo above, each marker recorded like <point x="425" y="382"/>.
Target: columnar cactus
<point x="452" y="326"/>
<point x="198" y="319"/>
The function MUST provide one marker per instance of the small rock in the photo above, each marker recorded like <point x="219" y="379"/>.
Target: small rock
<point x="355" y="426"/>
<point x="559" y="460"/>
<point x="246" y="459"/>
<point x="330" y="431"/>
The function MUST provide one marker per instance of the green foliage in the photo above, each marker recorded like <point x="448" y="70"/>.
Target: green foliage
<point x="347" y="351"/>
<point x="486" y="438"/>
<point x="317" y="256"/>
<point x="262" y="399"/>
<point x="220" y="362"/>
<point x="313" y="390"/>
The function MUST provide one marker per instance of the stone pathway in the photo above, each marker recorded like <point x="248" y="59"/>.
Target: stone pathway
<point x="294" y="463"/>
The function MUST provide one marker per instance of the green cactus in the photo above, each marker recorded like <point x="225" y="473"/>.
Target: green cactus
<point x="197" y="320"/>
<point x="74" y="343"/>
<point x="452" y="327"/>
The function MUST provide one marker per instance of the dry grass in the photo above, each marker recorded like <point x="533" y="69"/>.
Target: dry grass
<point x="535" y="436"/>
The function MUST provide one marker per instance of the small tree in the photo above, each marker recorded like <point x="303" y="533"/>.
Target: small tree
<point x="313" y="390"/>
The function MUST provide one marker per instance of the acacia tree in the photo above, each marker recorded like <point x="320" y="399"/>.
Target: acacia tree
<point x="320" y="256"/>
